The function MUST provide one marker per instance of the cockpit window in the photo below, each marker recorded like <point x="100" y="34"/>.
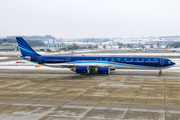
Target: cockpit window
<point x="169" y="62"/>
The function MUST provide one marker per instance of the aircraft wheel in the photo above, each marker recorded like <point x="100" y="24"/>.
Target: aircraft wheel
<point x="91" y="71"/>
<point x="160" y="73"/>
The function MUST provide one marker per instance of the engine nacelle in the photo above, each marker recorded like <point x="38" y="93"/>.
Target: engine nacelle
<point x="81" y="69"/>
<point x="103" y="70"/>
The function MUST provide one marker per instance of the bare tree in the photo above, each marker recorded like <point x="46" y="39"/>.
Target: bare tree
<point x="151" y="46"/>
<point x="158" y="44"/>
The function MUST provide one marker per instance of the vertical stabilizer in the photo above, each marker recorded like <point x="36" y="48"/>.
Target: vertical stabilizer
<point x="25" y="49"/>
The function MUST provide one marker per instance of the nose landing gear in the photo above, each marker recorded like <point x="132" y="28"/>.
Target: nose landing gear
<point x="160" y="73"/>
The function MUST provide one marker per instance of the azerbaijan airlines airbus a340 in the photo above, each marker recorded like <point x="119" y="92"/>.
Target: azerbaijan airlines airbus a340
<point x="91" y="64"/>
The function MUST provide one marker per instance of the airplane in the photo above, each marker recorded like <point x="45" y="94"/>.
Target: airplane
<point x="175" y="50"/>
<point x="93" y="64"/>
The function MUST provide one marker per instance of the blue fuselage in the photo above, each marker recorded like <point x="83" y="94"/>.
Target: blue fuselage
<point x="116" y="62"/>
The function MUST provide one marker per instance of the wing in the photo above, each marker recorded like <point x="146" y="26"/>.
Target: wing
<point x="91" y="64"/>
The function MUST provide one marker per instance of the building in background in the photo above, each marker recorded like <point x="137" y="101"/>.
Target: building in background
<point x="5" y="46"/>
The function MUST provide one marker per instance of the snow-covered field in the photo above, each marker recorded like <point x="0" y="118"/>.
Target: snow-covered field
<point x="93" y="52"/>
<point x="48" y="53"/>
<point x="131" y="54"/>
<point x="1" y="58"/>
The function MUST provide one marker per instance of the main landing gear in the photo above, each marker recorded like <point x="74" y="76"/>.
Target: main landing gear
<point x="160" y="73"/>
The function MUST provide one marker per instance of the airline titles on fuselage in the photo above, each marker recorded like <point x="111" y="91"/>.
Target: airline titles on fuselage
<point x="130" y="59"/>
<point x="111" y="59"/>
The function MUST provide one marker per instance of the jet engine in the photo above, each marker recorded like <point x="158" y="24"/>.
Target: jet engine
<point x="103" y="70"/>
<point x="81" y="69"/>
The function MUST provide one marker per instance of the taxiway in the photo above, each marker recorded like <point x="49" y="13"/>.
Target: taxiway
<point x="44" y="93"/>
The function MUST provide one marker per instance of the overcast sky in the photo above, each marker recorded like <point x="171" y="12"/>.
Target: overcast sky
<point x="90" y="18"/>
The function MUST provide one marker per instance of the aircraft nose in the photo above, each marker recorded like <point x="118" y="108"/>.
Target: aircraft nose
<point x="173" y="63"/>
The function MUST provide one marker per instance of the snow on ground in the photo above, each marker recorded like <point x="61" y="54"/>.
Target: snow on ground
<point x="14" y="63"/>
<point x="132" y="54"/>
<point x="10" y="53"/>
<point x="1" y="58"/>
<point x="93" y="53"/>
<point x="32" y="67"/>
<point x="46" y="53"/>
<point x="25" y="65"/>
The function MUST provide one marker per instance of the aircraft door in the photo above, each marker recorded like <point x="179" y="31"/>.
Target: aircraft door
<point x="161" y="61"/>
<point x="68" y="59"/>
<point x="40" y="59"/>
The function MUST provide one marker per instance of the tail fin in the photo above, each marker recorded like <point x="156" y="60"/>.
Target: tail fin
<point x="25" y="49"/>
